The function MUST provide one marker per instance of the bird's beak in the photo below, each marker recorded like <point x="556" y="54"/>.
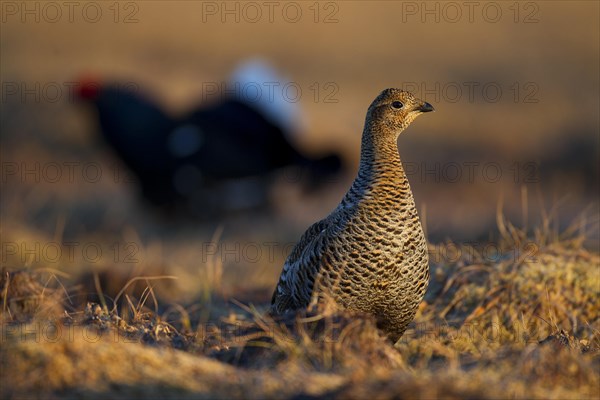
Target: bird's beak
<point x="425" y="107"/>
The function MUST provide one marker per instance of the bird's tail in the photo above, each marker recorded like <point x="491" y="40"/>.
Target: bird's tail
<point x="258" y="84"/>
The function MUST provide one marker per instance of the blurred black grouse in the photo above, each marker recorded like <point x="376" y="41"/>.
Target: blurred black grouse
<point x="176" y="159"/>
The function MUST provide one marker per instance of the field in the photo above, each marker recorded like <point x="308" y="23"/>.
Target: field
<point x="522" y="327"/>
<point x="104" y="296"/>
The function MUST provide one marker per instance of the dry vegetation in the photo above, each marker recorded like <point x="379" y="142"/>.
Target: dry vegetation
<point x="522" y="324"/>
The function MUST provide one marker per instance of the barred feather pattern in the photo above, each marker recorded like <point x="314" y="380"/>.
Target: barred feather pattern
<point x="370" y="253"/>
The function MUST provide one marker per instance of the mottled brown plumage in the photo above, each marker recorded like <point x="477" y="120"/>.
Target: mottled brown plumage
<point x="370" y="253"/>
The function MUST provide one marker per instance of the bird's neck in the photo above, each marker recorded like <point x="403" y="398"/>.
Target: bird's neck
<point x="380" y="161"/>
<point x="380" y="178"/>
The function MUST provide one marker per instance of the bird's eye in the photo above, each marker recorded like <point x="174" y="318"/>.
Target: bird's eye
<point x="397" y="105"/>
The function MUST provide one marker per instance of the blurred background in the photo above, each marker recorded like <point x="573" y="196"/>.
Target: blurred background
<point x="515" y="87"/>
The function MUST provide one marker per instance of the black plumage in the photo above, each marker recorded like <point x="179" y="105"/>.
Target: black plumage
<point x="177" y="157"/>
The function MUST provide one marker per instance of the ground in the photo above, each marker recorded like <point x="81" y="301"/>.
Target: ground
<point x="520" y="326"/>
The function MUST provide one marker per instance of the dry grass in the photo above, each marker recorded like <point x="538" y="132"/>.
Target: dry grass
<point x="523" y="325"/>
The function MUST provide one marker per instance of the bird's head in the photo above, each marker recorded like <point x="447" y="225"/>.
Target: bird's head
<point x="88" y="87"/>
<point x="393" y="110"/>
